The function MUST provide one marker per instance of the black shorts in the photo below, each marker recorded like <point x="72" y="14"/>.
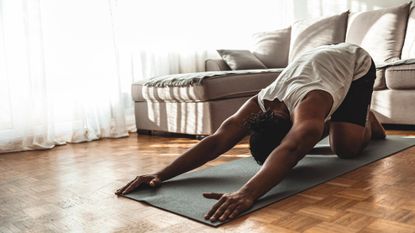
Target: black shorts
<point x="355" y="105"/>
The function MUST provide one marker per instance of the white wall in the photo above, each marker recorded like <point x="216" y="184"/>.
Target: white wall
<point x="302" y="9"/>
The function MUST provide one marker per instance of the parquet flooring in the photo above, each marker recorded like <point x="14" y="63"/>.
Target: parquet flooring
<point x="70" y="189"/>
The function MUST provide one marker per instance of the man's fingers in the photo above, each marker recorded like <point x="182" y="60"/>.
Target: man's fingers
<point x="216" y="196"/>
<point x="129" y="186"/>
<point x="220" y="211"/>
<point x="137" y="182"/>
<point x="235" y="212"/>
<point x="151" y="180"/>
<point x="119" y="191"/>
<point x="227" y="212"/>
<point x="214" y="208"/>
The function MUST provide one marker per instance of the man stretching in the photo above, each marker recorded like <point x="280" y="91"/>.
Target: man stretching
<point x="328" y="87"/>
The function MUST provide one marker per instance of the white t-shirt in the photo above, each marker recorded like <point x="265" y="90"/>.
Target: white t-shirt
<point x="330" y="68"/>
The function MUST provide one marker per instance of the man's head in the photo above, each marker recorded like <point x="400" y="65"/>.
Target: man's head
<point x="267" y="131"/>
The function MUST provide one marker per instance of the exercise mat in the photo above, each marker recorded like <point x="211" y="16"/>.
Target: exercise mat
<point x="182" y="195"/>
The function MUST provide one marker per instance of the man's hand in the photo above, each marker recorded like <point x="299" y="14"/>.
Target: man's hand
<point x="229" y="205"/>
<point x="151" y="180"/>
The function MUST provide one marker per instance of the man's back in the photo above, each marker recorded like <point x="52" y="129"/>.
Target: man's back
<point x="329" y="68"/>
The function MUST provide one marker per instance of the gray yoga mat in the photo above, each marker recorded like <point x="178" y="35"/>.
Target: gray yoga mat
<point x="182" y="195"/>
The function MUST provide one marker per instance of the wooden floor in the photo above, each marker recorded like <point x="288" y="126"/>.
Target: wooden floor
<point x="70" y="189"/>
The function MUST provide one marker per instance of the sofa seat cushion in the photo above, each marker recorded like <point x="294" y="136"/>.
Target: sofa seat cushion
<point x="400" y="77"/>
<point x="224" y="85"/>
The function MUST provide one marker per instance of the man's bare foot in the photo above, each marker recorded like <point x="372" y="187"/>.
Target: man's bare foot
<point x="378" y="132"/>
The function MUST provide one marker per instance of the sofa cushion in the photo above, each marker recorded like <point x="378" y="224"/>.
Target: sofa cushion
<point x="400" y="77"/>
<point x="272" y="47"/>
<point x="308" y="34"/>
<point x="240" y="59"/>
<point x="211" y="88"/>
<point x="380" y="32"/>
<point x="408" y="50"/>
<point x="216" y="65"/>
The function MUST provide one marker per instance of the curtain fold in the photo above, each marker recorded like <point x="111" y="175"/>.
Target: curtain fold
<point x="60" y="80"/>
<point x="66" y="67"/>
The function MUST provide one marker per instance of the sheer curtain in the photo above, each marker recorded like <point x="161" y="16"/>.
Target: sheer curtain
<point x="66" y="67"/>
<point x="59" y="77"/>
<point x="165" y="37"/>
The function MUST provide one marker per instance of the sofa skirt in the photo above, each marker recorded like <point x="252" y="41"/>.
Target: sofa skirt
<point x="394" y="106"/>
<point x="194" y="118"/>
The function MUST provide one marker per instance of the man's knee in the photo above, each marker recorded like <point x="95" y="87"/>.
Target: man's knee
<point x="346" y="151"/>
<point x="346" y="139"/>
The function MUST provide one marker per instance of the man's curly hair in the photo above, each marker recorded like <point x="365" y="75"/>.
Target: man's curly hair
<point x="267" y="131"/>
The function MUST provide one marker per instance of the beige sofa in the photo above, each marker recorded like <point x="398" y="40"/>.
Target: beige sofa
<point x="198" y="103"/>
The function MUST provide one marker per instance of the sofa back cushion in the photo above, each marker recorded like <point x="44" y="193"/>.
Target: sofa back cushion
<point x="272" y="47"/>
<point x="308" y="34"/>
<point x="380" y="32"/>
<point x="408" y="50"/>
<point x="240" y="59"/>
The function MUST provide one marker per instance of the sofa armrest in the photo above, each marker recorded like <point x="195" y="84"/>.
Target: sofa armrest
<point x="216" y="65"/>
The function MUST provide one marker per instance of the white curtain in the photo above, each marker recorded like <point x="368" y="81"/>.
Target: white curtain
<point x="66" y="67"/>
<point x="173" y="36"/>
<point x="59" y="79"/>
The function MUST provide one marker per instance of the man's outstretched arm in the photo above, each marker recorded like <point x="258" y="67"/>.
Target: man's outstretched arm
<point x="296" y="144"/>
<point x="229" y="133"/>
<point x="307" y="130"/>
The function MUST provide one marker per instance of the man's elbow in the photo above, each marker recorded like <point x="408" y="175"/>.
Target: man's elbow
<point x="300" y="149"/>
<point x="292" y="152"/>
<point x="215" y="144"/>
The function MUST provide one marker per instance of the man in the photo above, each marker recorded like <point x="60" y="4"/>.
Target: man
<point x="327" y="87"/>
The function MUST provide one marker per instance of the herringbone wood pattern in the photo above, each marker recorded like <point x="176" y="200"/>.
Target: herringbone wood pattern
<point x="70" y="189"/>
